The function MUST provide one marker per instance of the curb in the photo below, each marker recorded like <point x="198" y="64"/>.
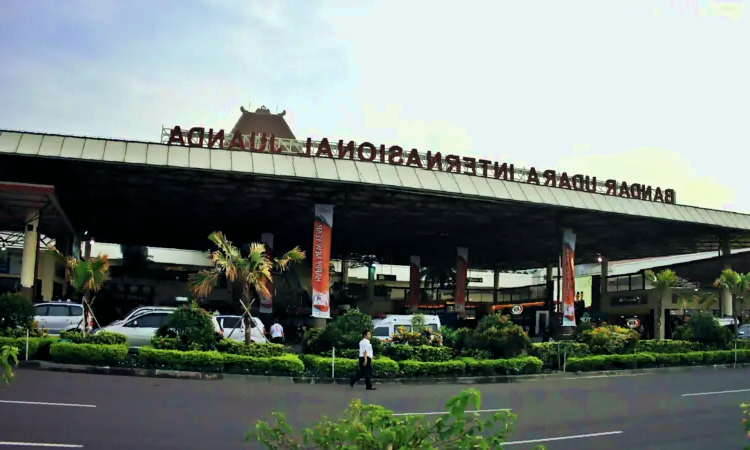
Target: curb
<point x="495" y="379"/>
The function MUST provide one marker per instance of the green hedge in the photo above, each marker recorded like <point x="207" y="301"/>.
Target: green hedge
<point x="89" y="354"/>
<point x="524" y="365"/>
<point x="424" y="353"/>
<point x="320" y="366"/>
<point x="99" y="338"/>
<point x="645" y="360"/>
<point x="39" y="348"/>
<point x="268" y="350"/>
<point x="553" y="353"/>
<point x="667" y="346"/>
<point x="213" y="361"/>
<point x="431" y="368"/>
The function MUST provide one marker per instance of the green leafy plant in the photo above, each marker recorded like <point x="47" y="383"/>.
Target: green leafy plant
<point x="101" y="338"/>
<point x="192" y="328"/>
<point x="16" y="312"/>
<point x="610" y="340"/>
<point x="737" y="285"/>
<point x="418" y="322"/>
<point x="8" y="358"/>
<point x="344" y="333"/>
<point x="745" y="423"/>
<point x="373" y="427"/>
<point x="253" y="271"/>
<point x="86" y="276"/>
<point x="705" y="330"/>
<point x="663" y="282"/>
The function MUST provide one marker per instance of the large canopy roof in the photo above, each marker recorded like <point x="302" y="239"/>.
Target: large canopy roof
<point x="18" y="200"/>
<point x="173" y="196"/>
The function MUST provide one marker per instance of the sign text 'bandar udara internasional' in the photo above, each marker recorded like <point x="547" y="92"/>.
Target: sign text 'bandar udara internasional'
<point x="397" y="156"/>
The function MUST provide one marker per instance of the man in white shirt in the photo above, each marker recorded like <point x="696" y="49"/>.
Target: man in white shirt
<point x="365" y="362"/>
<point x="277" y="333"/>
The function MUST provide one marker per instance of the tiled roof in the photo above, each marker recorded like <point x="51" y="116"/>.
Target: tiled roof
<point x="263" y="121"/>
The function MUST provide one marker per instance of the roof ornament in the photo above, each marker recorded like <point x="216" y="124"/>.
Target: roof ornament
<point x="262" y="110"/>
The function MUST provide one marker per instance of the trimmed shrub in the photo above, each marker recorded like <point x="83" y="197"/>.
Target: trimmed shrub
<point x="38" y="347"/>
<point x="320" y="366"/>
<point x="425" y="353"/>
<point x="16" y="311"/>
<point x="213" y="361"/>
<point x="524" y="365"/>
<point x="192" y="327"/>
<point x="268" y="350"/>
<point x="99" y="338"/>
<point x="89" y="354"/>
<point x="610" y="340"/>
<point x="667" y="346"/>
<point x="432" y="368"/>
<point x="705" y="330"/>
<point x="641" y="360"/>
<point x="552" y="354"/>
<point x="344" y="332"/>
<point x="499" y="336"/>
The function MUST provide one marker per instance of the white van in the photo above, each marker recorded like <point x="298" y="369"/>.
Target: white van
<point x="234" y="328"/>
<point x="384" y="328"/>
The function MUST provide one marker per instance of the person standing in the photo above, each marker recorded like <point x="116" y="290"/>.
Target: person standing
<point x="365" y="362"/>
<point x="277" y="332"/>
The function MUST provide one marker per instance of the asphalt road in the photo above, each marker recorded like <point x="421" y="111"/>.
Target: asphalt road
<point x="119" y="413"/>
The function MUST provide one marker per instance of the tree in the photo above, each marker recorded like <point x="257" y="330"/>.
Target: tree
<point x="251" y="270"/>
<point x="736" y="284"/>
<point x="702" y="300"/>
<point x="663" y="282"/>
<point x="373" y="427"/>
<point x="86" y="276"/>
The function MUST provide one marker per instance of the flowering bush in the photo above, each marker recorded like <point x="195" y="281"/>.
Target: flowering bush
<point x="745" y="414"/>
<point x="610" y="340"/>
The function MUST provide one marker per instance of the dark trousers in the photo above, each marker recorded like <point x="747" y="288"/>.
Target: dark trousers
<point x="277" y="340"/>
<point x="365" y="371"/>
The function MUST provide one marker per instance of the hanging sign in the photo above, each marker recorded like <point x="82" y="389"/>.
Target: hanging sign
<point x="633" y="323"/>
<point x="516" y="309"/>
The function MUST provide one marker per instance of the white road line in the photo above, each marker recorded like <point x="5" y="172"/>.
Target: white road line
<point x="447" y="412"/>
<point x="716" y="393"/>
<point x="563" y="438"/>
<point x="39" y="444"/>
<point x="18" y="402"/>
<point x="610" y="376"/>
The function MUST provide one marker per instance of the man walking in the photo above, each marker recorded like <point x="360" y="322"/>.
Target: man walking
<point x="365" y="362"/>
<point x="277" y="332"/>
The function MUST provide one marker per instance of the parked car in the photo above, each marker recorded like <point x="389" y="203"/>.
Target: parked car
<point x="384" y="328"/>
<point x="140" y="328"/>
<point x="140" y="310"/>
<point x="59" y="316"/>
<point x="234" y="328"/>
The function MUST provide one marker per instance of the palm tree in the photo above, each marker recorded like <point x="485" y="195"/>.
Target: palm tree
<point x="252" y="271"/>
<point x="86" y="276"/>
<point x="663" y="282"/>
<point x="736" y="284"/>
<point x="703" y="300"/>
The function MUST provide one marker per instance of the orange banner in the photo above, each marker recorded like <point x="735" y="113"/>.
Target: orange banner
<point x="462" y="268"/>
<point x="266" y="303"/>
<point x="321" y="262"/>
<point x="414" y="278"/>
<point x="568" y="278"/>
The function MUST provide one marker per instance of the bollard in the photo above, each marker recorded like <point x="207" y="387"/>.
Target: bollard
<point x="565" y="358"/>
<point x="27" y="345"/>
<point x="735" y="353"/>
<point x="333" y="363"/>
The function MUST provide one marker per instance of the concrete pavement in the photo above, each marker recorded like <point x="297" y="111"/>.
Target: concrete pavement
<point x="685" y="411"/>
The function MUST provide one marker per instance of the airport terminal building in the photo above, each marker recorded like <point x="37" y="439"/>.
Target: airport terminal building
<point x="347" y="201"/>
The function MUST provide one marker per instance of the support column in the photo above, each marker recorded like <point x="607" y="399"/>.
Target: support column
<point x="462" y="269"/>
<point x="496" y="286"/>
<point x="266" y="302"/>
<point x="345" y="280"/>
<point x="30" y="250"/>
<point x="415" y="294"/>
<point x="87" y="244"/>
<point x="726" y="296"/>
<point x="371" y="282"/>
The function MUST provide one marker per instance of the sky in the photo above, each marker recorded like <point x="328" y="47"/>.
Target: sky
<point x="646" y="91"/>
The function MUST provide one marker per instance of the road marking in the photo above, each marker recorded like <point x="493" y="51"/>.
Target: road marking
<point x="716" y="393"/>
<point x="610" y="376"/>
<point x="39" y="444"/>
<point x="448" y="412"/>
<point x="17" y="402"/>
<point x="563" y="438"/>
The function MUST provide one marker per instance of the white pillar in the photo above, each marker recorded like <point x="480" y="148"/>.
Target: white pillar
<point x="725" y="296"/>
<point x="30" y="250"/>
<point x="496" y="286"/>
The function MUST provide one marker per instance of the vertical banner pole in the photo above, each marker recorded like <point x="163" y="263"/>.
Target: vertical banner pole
<point x="266" y="303"/>
<point x="568" y="277"/>
<point x="321" y="262"/>
<point x="462" y="268"/>
<point x="415" y="269"/>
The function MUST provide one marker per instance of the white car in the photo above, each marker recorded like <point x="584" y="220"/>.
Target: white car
<point x="234" y="329"/>
<point x="59" y="316"/>
<point x="139" y="329"/>
<point x="141" y="310"/>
